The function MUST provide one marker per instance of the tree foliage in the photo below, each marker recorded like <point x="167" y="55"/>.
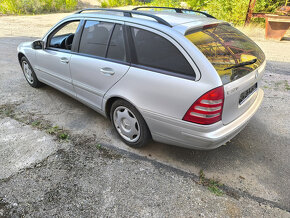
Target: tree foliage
<point x="36" y="6"/>
<point x="233" y="11"/>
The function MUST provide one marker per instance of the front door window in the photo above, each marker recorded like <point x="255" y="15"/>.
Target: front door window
<point x="63" y="37"/>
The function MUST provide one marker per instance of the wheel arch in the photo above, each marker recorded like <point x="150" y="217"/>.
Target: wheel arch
<point x="20" y="55"/>
<point x="108" y="105"/>
<point x="109" y="102"/>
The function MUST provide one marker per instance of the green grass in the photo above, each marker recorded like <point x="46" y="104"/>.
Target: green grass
<point x="287" y="87"/>
<point x="63" y="136"/>
<point x="53" y="130"/>
<point x="36" y="6"/>
<point x="212" y="185"/>
<point x="35" y="123"/>
<point x="60" y="133"/>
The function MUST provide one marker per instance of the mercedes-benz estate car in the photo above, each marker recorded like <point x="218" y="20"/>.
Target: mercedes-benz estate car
<point x="176" y="76"/>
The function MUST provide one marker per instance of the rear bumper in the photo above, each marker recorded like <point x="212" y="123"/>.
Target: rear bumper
<point x="190" y="135"/>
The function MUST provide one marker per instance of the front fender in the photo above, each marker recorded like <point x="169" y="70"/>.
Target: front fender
<point x="26" y="49"/>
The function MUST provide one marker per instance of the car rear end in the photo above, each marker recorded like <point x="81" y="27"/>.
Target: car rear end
<point x="240" y="64"/>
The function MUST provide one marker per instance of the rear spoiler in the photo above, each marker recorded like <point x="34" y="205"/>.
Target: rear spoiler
<point x="199" y="28"/>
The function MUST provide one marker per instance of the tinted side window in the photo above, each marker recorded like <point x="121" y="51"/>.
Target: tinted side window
<point x="155" y="51"/>
<point x="95" y="38"/>
<point x="116" y="48"/>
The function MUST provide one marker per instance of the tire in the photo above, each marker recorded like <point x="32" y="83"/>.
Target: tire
<point x="29" y="73"/>
<point x="129" y="124"/>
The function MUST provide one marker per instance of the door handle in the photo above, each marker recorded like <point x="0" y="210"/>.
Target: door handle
<point x="107" y="71"/>
<point x="64" y="60"/>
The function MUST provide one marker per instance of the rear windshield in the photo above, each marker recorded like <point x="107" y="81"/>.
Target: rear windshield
<point x="232" y="53"/>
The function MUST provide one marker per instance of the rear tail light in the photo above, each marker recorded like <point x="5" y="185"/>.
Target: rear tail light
<point x="208" y="108"/>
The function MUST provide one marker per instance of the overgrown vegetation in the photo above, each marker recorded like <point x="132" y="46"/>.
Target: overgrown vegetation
<point x="36" y="6"/>
<point x="233" y="11"/>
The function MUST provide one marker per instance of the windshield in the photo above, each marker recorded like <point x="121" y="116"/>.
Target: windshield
<point x="232" y="53"/>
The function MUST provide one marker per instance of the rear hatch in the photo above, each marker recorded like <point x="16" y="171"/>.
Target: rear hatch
<point x="238" y="61"/>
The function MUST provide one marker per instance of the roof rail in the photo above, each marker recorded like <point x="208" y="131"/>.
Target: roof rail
<point x="127" y="13"/>
<point x="177" y="10"/>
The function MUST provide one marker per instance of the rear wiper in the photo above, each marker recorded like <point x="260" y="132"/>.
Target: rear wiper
<point x="242" y="64"/>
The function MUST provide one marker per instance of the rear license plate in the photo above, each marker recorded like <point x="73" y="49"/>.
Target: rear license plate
<point x="247" y="93"/>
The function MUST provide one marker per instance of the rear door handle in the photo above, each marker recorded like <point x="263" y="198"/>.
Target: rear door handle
<point x="64" y="60"/>
<point x="107" y="71"/>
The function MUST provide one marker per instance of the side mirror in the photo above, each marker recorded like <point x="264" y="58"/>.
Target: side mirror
<point x="38" y="44"/>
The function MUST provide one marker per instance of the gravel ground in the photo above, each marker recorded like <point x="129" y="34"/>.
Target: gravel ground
<point x="87" y="180"/>
<point x="94" y="173"/>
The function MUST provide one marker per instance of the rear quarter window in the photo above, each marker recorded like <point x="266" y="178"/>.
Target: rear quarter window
<point x="153" y="50"/>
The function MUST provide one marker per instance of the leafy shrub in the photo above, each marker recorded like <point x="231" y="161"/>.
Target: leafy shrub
<point x="165" y="3"/>
<point x="197" y="4"/>
<point x="36" y="6"/>
<point x="268" y="5"/>
<point x="118" y="3"/>
<point x="233" y="11"/>
<point x="229" y="10"/>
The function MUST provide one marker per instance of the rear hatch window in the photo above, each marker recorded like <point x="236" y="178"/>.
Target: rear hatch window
<point x="232" y="53"/>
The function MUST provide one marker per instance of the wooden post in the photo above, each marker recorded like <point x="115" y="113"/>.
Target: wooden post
<point x="250" y="11"/>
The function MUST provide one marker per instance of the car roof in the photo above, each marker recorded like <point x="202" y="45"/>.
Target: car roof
<point x="182" y="22"/>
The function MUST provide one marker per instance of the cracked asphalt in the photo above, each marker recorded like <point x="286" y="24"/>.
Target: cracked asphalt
<point x="94" y="173"/>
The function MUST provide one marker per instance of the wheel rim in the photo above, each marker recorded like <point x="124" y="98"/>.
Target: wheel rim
<point x="27" y="72"/>
<point x="126" y="124"/>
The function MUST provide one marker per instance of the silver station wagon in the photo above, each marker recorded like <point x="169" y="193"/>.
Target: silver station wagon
<point x="173" y="75"/>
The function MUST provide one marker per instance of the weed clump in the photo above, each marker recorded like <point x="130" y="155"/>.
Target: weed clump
<point x="212" y="185"/>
